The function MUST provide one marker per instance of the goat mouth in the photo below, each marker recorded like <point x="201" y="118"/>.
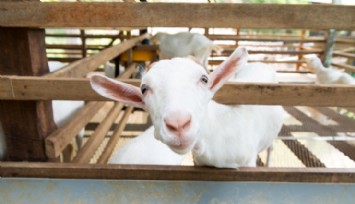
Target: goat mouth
<point x="181" y="148"/>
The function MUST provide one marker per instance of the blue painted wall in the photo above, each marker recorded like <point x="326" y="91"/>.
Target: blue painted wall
<point x="18" y="190"/>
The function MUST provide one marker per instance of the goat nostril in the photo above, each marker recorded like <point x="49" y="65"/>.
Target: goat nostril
<point x="171" y="127"/>
<point x="186" y="124"/>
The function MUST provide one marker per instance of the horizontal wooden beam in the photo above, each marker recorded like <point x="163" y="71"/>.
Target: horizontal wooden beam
<point x="344" y="54"/>
<point x="189" y="173"/>
<point x="31" y="88"/>
<point x="79" y="36"/>
<point x="98" y="15"/>
<point x="64" y="59"/>
<point x="345" y="41"/>
<point x="74" y="47"/>
<point x="266" y="38"/>
<point x="346" y="67"/>
<point x="280" y="52"/>
<point x="217" y="62"/>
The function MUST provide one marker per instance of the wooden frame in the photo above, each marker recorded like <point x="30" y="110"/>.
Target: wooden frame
<point x="35" y="14"/>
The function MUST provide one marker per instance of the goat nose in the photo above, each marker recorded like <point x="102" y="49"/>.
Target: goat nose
<point x="178" y="122"/>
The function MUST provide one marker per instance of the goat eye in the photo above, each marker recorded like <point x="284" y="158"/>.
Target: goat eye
<point x="204" y="79"/>
<point x="144" y="88"/>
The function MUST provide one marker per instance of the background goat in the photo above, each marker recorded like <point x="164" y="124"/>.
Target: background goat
<point x="328" y="75"/>
<point x="184" y="44"/>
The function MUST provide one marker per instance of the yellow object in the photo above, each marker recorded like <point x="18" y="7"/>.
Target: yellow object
<point x="138" y="56"/>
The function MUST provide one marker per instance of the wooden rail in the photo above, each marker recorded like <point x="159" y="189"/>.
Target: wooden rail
<point x="344" y="54"/>
<point x="31" y="88"/>
<point x="36" y="14"/>
<point x="346" y="67"/>
<point x="259" y="38"/>
<point x="140" y="172"/>
<point x="79" y="36"/>
<point x="109" y="149"/>
<point x="74" y="47"/>
<point x="218" y="62"/>
<point x="274" y="52"/>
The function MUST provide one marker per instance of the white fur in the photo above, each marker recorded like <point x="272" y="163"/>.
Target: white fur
<point x="234" y="135"/>
<point x="329" y="75"/>
<point x="145" y="149"/>
<point x="218" y="135"/>
<point x="184" y="44"/>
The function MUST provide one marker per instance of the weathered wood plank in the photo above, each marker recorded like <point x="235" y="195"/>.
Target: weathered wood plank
<point x="346" y="67"/>
<point x="286" y="94"/>
<point x="274" y="38"/>
<point x="31" y="88"/>
<point x="33" y="14"/>
<point x="88" y="64"/>
<point x="344" y="54"/>
<point x="25" y="123"/>
<point x="281" y="52"/>
<point x="218" y="62"/>
<point x="140" y="172"/>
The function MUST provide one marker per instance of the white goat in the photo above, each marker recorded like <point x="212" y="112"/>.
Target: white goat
<point x="145" y="149"/>
<point x="184" y="44"/>
<point x="328" y="75"/>
<point x="177" y="93"/>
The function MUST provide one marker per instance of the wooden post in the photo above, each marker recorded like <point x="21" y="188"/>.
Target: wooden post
<point x="83" y="43"/>
<point x="300" y="48"/>
<point x="329" y="45"/>
<point x="25" y="123"/>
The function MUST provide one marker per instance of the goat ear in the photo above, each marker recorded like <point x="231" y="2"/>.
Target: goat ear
<point x="116" y="90"/>
<point x="226" y="70"/>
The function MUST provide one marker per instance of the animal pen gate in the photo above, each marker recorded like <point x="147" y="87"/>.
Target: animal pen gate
<point x="26" y="90"/>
